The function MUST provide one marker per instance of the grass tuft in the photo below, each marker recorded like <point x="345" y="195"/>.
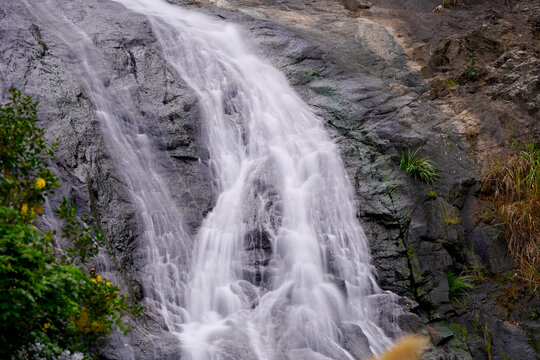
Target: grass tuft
<point x="458" y="286"/>
<point x="449" y="216"/>
<point x="451" y="82"/>
<point x="418" y="167"/>
<point x="514" y="185"/>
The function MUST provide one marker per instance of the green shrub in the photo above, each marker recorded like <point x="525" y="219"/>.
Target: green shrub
<point x="48" y="304"/>
<point x="458" y="286"/>
<point x="418" y="167"/>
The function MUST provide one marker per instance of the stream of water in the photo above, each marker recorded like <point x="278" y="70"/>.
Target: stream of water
<point x="280" y="268"/>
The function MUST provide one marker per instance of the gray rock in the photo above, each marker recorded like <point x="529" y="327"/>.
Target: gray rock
<point x="510" y="341"/>
<point x="355" y="5"/>
<point x="348" y="70"/>
<point x="355" y="341"/>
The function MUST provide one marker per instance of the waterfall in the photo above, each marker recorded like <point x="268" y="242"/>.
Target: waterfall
<point x="164" y="242"/>
<point x="281" y="262"/>
<point x="280" y="268"/>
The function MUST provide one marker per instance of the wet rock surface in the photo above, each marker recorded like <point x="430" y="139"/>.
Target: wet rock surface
<point x="358" y="77"/>
<point x="418" y="233"/>
<point x="34" y="60"/>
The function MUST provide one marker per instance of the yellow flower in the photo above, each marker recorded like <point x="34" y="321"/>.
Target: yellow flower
<point x="94" y="281"/>
<point x="24" y="208"/>
<point x="39" y="210"/>
<point x="40" y="183"/>
<point x="46" y="326"/>
<point x="98" y="278"/>
<point x="108" y="283"/>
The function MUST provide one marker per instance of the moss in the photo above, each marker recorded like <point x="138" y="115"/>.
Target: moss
<point x="315" y="73"/>
<point x="411" y="253"/>
<point x="325" y="91"/>
<point x="457" y="345"/>
<point x="308" y="75"/>
<point x="459" y="331"/>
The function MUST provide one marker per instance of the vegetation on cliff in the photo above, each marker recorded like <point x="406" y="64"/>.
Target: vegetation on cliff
<point x="418" y="167"/>
<point x="514" y="184"/>
<point x="48" y="303"/>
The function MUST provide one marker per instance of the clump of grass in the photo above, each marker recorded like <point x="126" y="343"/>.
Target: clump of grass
<point x="409" y="347"/>
<point x="471" y="71"/>
<point x="451" y="82"/>
<point x="529" y="272"/>
<point x="458" y="286"/>
<point x="418" y="167"/>
<point x="450" y="220"/>
<point x="449" y="217"/>
<point x="514" y="185"/>
<point x="476" y="269"/>
<point x="487" y="341"/>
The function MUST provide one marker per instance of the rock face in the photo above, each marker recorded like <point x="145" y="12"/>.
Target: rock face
<point x="35" y="61"/>
<point x="356" y="75"/>
<point x="355" y="5"/>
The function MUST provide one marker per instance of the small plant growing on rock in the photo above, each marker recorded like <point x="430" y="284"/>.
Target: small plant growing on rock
<point x="418" y="167"/>
<point x="458" y="286"/>
<point x="471" y="71"/>
<point x="476" y="269"/>
<point x="513" y="185"/>
<point x="448" y="215"/>
<point x="487" y="341"/>
<point x="451" y="82"/>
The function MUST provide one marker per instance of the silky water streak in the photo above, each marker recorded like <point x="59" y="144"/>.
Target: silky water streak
<point x="163" y="243"/>
<point x="281" y="266"/>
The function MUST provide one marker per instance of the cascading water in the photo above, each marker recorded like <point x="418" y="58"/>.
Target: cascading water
<point x="280" y="267"/>
<point x="281" y="185"/>
<point x="164" y="243"/>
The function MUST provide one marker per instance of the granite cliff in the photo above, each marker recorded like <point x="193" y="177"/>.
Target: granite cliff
<point x="377" y="72"/>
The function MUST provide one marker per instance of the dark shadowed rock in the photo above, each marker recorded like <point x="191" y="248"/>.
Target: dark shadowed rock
<point x="355" y="5"/>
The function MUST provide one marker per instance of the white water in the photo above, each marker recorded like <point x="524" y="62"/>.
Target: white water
<point x="280" y="180"/>
<point x="278" y="173"/>
<point x="164" y="243"/>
